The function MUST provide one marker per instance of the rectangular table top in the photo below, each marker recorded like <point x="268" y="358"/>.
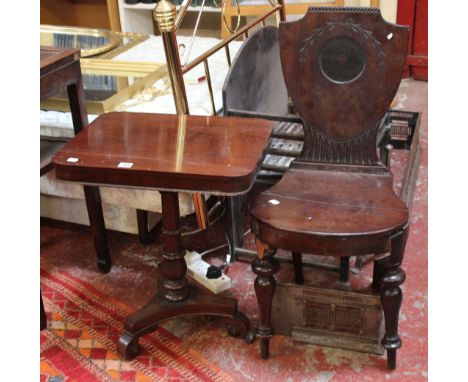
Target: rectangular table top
<point x="219" y="155"/>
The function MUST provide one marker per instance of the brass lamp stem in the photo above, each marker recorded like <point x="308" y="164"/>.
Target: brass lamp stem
<point x="165" y="14"/>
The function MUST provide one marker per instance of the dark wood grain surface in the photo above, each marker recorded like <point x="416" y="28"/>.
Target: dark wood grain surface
<point x="169" y="153"/>
<point x="342" y="110"/>
<point x="333" y="203"/>
<point x="195" y="153"/>
<point x="326" y="211"/>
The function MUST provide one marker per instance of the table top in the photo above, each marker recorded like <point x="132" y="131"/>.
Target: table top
<point x="52" y="58"/>
<point x="219" y="155"/>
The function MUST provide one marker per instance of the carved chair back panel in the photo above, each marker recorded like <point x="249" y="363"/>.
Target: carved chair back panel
<point x="342" y="68"/>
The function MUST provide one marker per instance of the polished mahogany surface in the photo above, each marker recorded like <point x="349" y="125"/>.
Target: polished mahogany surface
<point x="324" y="211"/>
<point x="217" y="154"/>
<point x="342" y="69"/>
<point x="169" y="153"/>
<point x="332" y="203"/>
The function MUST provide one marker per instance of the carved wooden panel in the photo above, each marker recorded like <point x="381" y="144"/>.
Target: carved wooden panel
<point x="358" y="150"/>
<point x="342" y="68"/>
<point x="328" y="317"/>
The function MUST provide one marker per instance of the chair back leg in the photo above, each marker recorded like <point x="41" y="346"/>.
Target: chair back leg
<point x="344" y="269"/>
<point x="298" y="269"/>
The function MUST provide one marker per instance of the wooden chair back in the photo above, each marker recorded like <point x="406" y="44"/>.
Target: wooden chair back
<point x="255" y="80"/>
<point x="342" y="68"/>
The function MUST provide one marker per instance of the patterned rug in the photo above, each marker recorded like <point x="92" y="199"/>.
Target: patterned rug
<point x="82" y="331"/>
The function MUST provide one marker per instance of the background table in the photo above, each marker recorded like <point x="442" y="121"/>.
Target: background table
<point x="61" y="68"/>
<point x="217" y="155"/>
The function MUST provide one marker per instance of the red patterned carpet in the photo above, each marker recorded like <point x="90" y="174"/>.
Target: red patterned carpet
<point x="83" y="328"/>
<point x="86" y="309"/>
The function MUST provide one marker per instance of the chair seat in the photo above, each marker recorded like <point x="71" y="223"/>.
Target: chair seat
<point x="327" y="212"/>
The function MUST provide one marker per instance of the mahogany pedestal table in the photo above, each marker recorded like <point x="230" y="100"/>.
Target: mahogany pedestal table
<point x="170" y="153"/>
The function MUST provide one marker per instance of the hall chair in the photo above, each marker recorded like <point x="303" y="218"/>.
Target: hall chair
<point x="342" y="68"/>
<point x="255" y="88"/>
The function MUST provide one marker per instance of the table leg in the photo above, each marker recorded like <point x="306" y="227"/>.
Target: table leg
<point x="176" y="298"/>
<point x="236" y="227"/>
<point x="98" y="227"/>
<point x="76" y="98"/>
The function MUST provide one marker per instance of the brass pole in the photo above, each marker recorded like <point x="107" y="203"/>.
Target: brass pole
<point x="165" y="15"/>
<point x="181" y="127"/>
<point x="282" y="11"/>
<point x="180" y="16"/>
<point x="210" y="89"/>
<point x="228" y="55"/>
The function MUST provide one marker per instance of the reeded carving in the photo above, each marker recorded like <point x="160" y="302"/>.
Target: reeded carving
<point x="358" y="150"/>
<point x="344" y="9"/>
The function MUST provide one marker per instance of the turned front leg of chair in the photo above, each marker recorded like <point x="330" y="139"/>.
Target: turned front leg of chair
<point x="264" y="266"/>
<point x="391" y="296"/>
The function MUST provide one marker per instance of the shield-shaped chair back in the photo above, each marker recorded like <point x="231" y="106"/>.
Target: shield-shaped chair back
<point x="342" y="68"/>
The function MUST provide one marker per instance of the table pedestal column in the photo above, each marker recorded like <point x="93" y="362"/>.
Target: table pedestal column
<point x="176" y="297"/>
